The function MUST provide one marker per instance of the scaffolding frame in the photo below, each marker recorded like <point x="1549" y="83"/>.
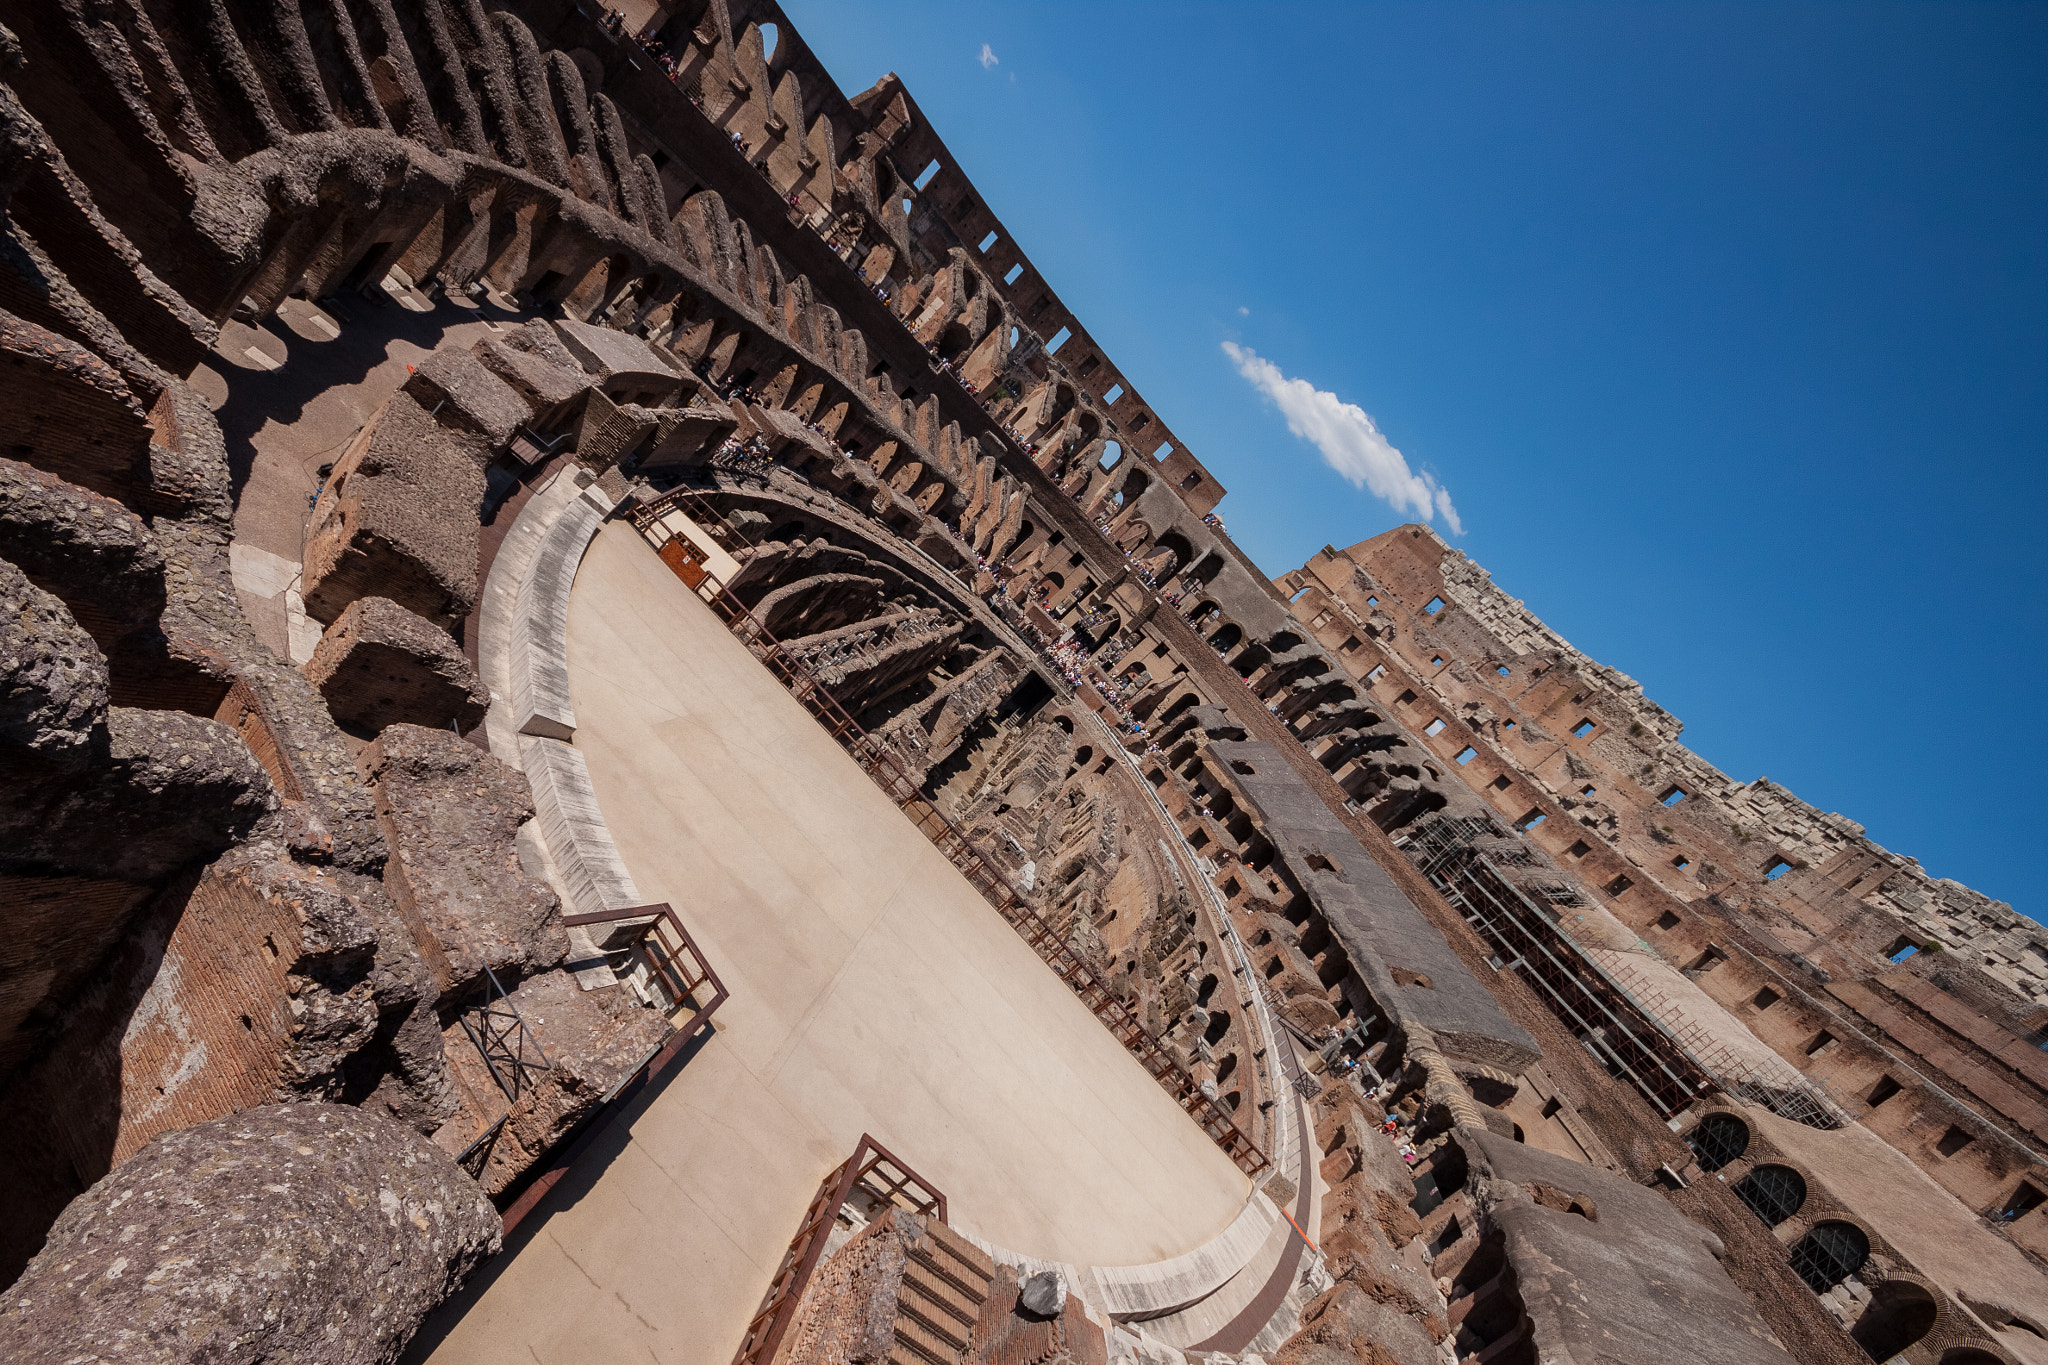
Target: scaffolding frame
<point x="1627" y="1039"/>
<point x="1633" y="1028"/>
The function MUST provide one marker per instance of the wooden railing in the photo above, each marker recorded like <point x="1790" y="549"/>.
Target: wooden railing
<point x="888" y="773"/>
<point x="884" y="1181"/>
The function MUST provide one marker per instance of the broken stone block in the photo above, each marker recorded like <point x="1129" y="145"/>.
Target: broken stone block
<point x="451" y="815"/>
<point x="907" y="1287"/>
<point x="686" y="437"/>
<point x="546" y="387"/>
<point x="397" y="518"/>
<point x="380" y="665"/>
<point x="609" y="434"/>
<point x="323" y="1233"/>
<point x="631" y="370"/>
<point x="53" y="682"/>
<point x="591" y="1040"/>
<point x="70" y="412"/>
<point x="459" y="391"/>
<point x="87" y="549"/>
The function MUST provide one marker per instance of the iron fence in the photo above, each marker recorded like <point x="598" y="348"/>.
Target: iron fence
<point x="872" y="1176"/>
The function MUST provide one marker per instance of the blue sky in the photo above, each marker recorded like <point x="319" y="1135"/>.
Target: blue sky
<point x="1722" y="330"/>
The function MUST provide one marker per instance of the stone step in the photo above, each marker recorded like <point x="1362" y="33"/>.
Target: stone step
<point x="937" y="1306"/>
<point x="924" y="1346"/>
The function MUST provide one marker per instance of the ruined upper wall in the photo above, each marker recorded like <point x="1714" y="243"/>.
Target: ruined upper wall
<point x="1481" y="630"/>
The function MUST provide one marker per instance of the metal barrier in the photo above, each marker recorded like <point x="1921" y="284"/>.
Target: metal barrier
<point x="872" y="1172"/>
<point x="880" y="764"/>
<point x="685" y="973"/>
<point x="678" y="967"/>
<point x="502" y="1038"/>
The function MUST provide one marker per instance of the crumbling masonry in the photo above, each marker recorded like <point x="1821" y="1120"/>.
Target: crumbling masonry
<point x="1545" y="1038"/>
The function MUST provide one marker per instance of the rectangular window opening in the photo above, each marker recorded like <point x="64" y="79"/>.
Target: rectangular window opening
<point x="1010" y="276"/>
<point x="989" y="241"/>
<point x="1619" y="885"/>
<point x="1503" y="670"/>
<point x="1583" y="728"/>
<point x="1885" y="1088"/>
<point x="1681" y="862"/>
<point x="924" y="177"/>
<point x="1378" y="671"/>
<point x="2024" y="1200"/>
<point x="1579" y="849"/>
<point x="1059" y="339"/>
<point x="1350" y="645"/>
<point x="1531" y="820"/>
<point x="1466" y="755"/>
<point x="1435" y="727"/>
<point x="1765" y="998"/>
<point x="1503" y="782"/>
<point x="1776" y="868"/>
<point x="1165" y="449"/>
<point x="1954" y="1140"/>
<point x="1672" y="795"/>
<point x="1433" y="606"/>
<point x="1822" y="1041"/>
<point x="1372" y="601"/>
<point x="1585" y="791"/>
<point x="1436" y="661"/>
<point x="1901" y="949"/>
<point x="1667" y="921"/>
<point x="1111" y="394"/>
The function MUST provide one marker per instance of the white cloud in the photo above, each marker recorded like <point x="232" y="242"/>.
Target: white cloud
<point x="1243" y="311"/>
<point x="988" y="56"/>
<point x="1350" y="442"/>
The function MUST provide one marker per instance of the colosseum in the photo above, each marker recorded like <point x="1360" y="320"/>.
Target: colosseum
<point x="622" y="740"/>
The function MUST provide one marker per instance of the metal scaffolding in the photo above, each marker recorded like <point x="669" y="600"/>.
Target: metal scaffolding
<point x="1637" y="1034"/>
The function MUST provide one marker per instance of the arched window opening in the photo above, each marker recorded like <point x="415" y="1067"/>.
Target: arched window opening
<point x="1829" y="1254"/>
<point x="1900" y="1313"/>
<point x="1225" y="1068"/>
<point x="1773" y="1193"/>
<point x="1219" y="1024"/>
<point x="1013" y="338"/>
<point x="1719" y="1139"/>
<point x="770" y="36"/>
<point x="1112" y="455"/>
<point x="1227" y="638"/>
<point x="1207" y="989"/>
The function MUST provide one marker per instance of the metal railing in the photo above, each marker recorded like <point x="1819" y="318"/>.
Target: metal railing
<point x="672" y="959"/>
<point x="502" y="1039"/>
<point x="888" y="773"/>
<point x="687" y="973"/>
<point x="880" y="1181"/>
